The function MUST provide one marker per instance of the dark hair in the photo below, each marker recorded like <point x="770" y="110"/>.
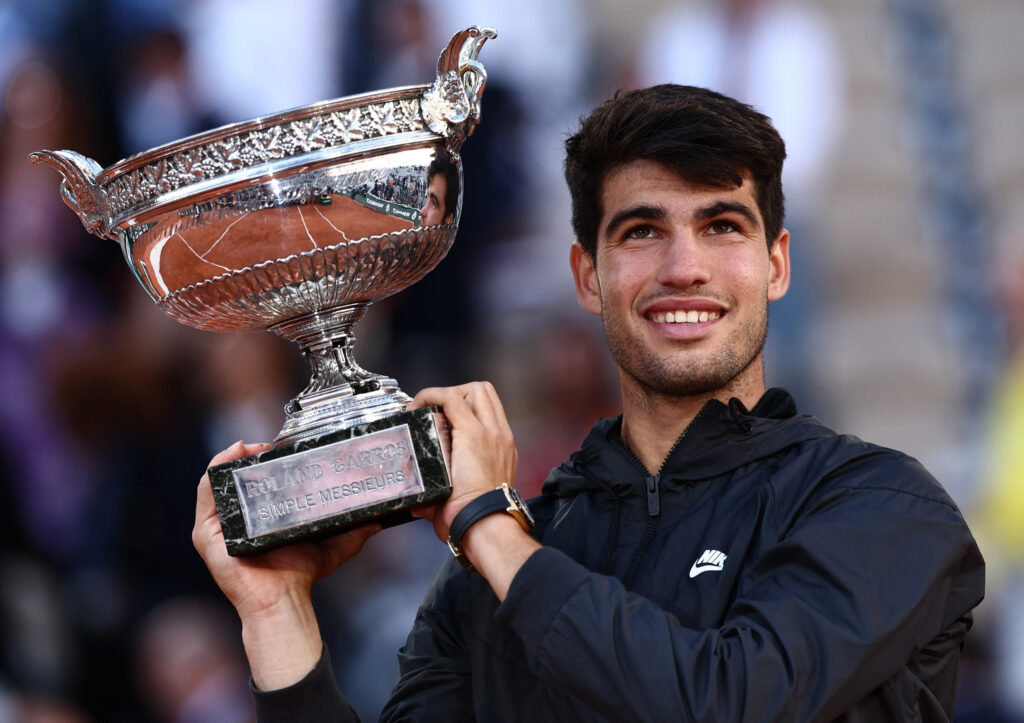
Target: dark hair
<point x="706" y="137"/>
<point x="444" y="165"/>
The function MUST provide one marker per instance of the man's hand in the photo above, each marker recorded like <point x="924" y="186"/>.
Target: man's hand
<point x="483" y="449"/>
<point x="272" y="591"/>
<point x="483" y="456"/>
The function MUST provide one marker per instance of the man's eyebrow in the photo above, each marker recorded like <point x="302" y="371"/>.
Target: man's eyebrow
<point x="717" y="209"/>
<point x="639" y="212"/>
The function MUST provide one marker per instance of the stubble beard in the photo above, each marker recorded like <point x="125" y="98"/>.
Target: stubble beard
<point x="668" y="377"/>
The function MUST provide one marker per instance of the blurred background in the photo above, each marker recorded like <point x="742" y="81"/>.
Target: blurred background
<point x="905" y="323"/>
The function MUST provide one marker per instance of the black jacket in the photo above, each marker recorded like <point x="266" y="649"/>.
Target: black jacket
<point x="772" y="570"/>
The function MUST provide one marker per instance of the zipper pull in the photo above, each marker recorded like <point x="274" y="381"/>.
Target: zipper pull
<point x="653" y="498"/>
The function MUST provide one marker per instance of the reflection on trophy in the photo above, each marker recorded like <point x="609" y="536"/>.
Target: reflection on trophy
<point x="296" y="223"/>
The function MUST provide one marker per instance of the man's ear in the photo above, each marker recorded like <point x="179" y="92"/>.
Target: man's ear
<point x="778" y="272"/>
<point x="584" y="273"/>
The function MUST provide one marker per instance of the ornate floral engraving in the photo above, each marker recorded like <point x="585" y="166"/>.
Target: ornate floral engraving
<point x="347" y="125"/>
<point x="248" y="149"/>
<point x="189" y="166"/>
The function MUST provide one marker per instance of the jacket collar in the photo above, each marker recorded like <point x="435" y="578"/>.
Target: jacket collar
<point x="722" y="437"/>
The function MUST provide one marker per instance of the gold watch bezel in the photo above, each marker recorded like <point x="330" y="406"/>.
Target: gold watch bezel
<point x="517" y="506"/>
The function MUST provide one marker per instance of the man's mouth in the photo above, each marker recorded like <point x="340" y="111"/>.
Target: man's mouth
<point x="682" y="316"/>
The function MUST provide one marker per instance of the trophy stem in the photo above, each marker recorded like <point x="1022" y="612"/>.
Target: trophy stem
<point x="340" y="393"/>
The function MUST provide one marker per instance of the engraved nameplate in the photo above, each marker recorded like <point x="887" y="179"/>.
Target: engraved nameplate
<point x="289" y="491"/>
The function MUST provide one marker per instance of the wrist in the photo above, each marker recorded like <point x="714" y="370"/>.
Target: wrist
<point x="454" y="506"/>
<point x="492" y="531"/>
<point x="498" y="546"/>
<point x="503" y="499"/>
<point x="452" y="509"/>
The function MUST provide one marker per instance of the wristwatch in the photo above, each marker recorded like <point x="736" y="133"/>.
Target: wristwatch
<point x="503" y="498"/>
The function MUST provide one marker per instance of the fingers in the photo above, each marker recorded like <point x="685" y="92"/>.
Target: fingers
<point x="464" y="403"/>
<point x="483" y="399"/>
<point x="450" y="399"/>
<point x="206" y="509"/>
<point x="340" y="548"/>
<point x="483" y="453"/>
<point x="474" y="411"/>
<point x="236" y="451"/>
<point x="427" y="512"/>
<point x="206" y="522"/>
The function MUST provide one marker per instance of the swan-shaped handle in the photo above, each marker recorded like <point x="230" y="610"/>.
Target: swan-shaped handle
<point x="451" y="106"/>
<point x="79" y="188"/>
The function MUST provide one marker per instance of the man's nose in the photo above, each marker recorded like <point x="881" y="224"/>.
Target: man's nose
<point x="685" y="262"/>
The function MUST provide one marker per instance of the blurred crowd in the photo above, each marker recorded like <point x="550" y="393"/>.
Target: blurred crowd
<point x="109" y="411"/>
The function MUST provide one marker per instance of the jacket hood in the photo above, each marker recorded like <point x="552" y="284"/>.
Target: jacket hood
<point x="721" y="438"/>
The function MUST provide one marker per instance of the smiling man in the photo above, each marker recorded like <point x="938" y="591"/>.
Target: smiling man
<point x="710" y="554"/>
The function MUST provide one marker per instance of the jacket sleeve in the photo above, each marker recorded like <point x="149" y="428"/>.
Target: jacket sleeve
<point x="314" y="698"/>
<point x="826" y="615"/>
<point x="435" y="682"/>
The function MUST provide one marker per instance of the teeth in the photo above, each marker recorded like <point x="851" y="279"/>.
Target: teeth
<point x="685" y="317"/>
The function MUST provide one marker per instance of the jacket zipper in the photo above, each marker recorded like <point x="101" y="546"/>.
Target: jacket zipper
<point x="652" y="485"/>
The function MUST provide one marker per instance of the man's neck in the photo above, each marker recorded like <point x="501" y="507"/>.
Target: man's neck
<point x="652" y="422"/>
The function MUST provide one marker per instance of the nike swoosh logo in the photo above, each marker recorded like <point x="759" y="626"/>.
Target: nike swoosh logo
<point x="698" y="569"/>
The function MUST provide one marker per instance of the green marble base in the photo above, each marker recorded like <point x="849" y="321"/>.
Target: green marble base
<point x="319" y="487"/>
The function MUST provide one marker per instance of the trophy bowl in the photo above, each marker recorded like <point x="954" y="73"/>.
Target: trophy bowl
<point x="296" y="223"/>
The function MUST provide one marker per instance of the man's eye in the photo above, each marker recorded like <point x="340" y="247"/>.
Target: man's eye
<point x="640" y="232"/>
<point x="722" y="226"/>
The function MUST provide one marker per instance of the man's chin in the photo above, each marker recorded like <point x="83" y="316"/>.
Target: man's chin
<point x="692" y="377"/>
<point x="687" y="388"/>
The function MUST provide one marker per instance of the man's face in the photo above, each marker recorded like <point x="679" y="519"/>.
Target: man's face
<point x="433" y="211"/>
<point x="682" y="280"/>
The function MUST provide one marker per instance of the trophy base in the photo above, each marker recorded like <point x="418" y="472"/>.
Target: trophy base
<point x="315" y="488"/>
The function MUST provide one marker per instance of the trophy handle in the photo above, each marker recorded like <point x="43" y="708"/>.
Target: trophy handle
<point x="451" y="106"/>
<point x="79" y="188"/>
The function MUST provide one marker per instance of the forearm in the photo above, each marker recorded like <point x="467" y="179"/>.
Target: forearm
<point x="283" y="643"/>
<point x="271" y="591"/>
<point x="497" y="546"/>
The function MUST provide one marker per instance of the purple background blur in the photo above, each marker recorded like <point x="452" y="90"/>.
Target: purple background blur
<point x="904" y="325"/>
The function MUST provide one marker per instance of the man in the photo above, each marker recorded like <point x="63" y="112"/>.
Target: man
<point x="709" y="555"/>
<point x="442" y="192"/>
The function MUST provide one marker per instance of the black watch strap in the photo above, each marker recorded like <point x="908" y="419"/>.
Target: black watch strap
<point x="502" y="499"/>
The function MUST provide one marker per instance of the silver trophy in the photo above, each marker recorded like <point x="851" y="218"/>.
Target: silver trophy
<point x="296" y="223"/>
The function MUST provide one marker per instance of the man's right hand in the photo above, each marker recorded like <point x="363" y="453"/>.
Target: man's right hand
<point x="272" y="591"/>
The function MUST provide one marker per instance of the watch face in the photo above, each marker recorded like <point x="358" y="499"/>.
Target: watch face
<point x="517" y="501"/>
